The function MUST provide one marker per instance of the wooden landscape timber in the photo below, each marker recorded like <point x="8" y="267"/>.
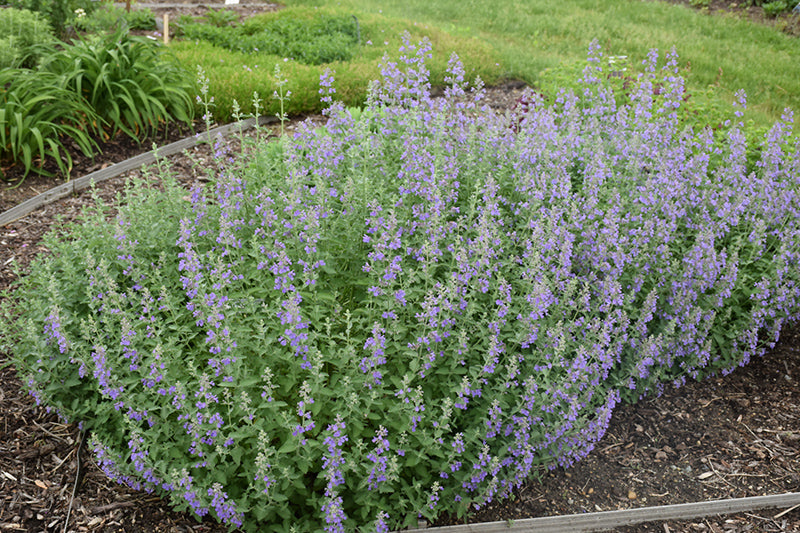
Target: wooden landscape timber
<point x="147" y="158"/>
<point x="608" y="520"/>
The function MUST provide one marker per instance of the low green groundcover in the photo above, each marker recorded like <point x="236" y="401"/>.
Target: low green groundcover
<point x="322" y="39"/>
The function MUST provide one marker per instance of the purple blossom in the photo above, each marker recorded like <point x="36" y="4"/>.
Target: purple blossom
<point x="52" y="330"/>
<point x="223" y="507"/>
<point x="378" y="458"/>
<point x="332" y="463"/>
<point x="380" y="522"/>
<point x="375" y="345"/>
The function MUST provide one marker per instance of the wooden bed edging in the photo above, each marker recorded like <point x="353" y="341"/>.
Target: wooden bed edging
<point x="608" y="520"/>
<point x="72" y="186"/>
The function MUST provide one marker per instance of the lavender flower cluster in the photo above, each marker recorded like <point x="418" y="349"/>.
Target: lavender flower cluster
<point x="419" y="307"/>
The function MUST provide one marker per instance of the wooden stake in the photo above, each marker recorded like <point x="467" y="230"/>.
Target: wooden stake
<point x="166" y="28"/>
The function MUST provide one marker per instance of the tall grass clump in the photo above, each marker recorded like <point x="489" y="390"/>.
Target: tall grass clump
<point x="415" y="308"/>
<point x="88" y="90"/>
<point x="37" y="116"/>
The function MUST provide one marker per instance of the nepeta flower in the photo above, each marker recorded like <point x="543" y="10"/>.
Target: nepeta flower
<point x="332" y="463"/>
<point x="52" y="330"/>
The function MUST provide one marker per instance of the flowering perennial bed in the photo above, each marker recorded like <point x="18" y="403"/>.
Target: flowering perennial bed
<point x="416" y="308"/>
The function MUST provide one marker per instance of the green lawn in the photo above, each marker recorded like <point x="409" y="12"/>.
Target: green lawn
<point x="536" y="35"/>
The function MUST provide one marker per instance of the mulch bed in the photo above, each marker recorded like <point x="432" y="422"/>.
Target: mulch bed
<point x="726" y="437"/>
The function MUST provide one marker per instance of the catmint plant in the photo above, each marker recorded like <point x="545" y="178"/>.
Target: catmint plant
<point x="416" y="308"/>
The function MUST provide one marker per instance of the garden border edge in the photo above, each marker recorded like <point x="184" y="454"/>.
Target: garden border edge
<point x="607" y="520"/>
<point x="65" y="189"/>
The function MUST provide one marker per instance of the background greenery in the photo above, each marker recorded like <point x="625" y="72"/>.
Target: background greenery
<point x="539" y="42"/>
<point x="234" y="74"/>
<point x="533" y="36"/>
<point x="59" y="13"/>
<point x="21" y="31"/>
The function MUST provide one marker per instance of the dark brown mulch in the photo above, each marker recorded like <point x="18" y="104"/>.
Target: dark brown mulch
<point x="723" y="438"/>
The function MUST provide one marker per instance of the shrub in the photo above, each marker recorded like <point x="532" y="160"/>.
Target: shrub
<point x="176" y="26"/>
<point x="141" y="19"/>
<point x="699" y="109"/>
<point x="105" y="18"/>
<point x="221" y="17"/>
<point x="415" y="308"/>
<point x="110" y="17"/>
<point x="25" y="37"/>
<point x="9" y="54"/>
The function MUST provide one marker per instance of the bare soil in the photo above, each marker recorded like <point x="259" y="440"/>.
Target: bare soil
<point x="722" y="438"/>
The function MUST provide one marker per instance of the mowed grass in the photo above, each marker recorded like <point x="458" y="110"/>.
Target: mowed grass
<point x="530" y="37"/>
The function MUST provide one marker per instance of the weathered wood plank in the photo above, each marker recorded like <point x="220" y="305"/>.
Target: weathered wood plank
<point x="608" y="520"/>
<point x="71" y="187"/>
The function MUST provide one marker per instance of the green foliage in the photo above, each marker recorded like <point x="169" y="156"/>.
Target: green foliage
<point x="321" y="39"/>
<point x="141" y="19"/>
<point x="24" y="37"/>
<point x="128" y="80"/>
<point x="109" y="17"/>
<point x="237" y="75"/>
<point x="60" y="13"/>
<point x="773" y="9"/>
<point x="9" y="53"/>
<point x="176" y="26"/>
<point x="105" y="18"/>
<point x="221" y="17"/>
<point x="37" y="115"/>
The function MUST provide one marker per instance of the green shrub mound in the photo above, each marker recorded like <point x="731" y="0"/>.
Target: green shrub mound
<point x="22" y="34"/>
<point x="415" y="308"/>
<point x="312" y="41"/>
